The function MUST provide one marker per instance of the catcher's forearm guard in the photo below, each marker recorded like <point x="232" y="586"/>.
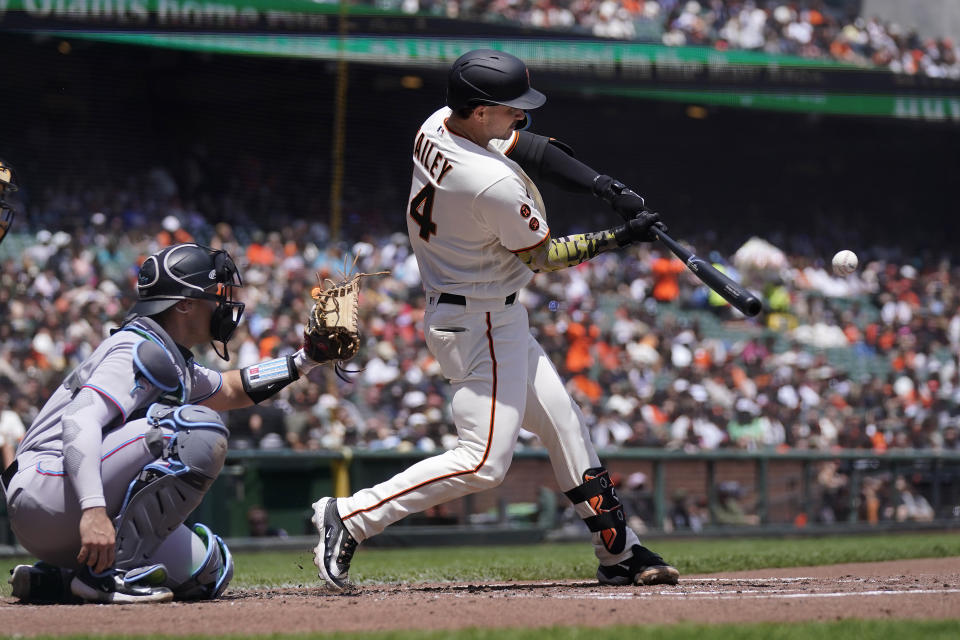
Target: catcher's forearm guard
<point x="266" y="379"/>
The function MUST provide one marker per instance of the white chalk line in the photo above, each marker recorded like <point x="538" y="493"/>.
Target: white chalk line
<point x="721" y="595"/>
<point x="713" y="593"/>
<point x="759" y="580"/>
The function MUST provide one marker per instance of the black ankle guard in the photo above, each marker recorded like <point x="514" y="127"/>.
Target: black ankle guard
<point x="609" y="521"/>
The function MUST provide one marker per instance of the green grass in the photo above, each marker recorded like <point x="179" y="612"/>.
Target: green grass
<point x="575" y="560"/>
<point x="564" y="561"/>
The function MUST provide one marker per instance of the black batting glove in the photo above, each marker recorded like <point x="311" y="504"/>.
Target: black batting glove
<point x="639" y="228"/>
<point x="622" y="198"/>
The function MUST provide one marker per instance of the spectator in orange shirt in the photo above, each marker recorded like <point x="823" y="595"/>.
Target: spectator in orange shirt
<point x="172" y="232"/>
<point x="608" y="353"/>
<point x="666" y="270"/>
<point x="268" y="343"/>
<point x="579" y="356"/>
<point x="588" y="388"/>
<point x="259" y="252"/>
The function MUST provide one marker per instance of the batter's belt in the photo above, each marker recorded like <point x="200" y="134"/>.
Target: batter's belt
<point x="452" y="298"/>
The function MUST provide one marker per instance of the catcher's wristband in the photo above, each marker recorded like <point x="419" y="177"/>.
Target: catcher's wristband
<point x="304" y="363"/>
<point x="265" y="379"/>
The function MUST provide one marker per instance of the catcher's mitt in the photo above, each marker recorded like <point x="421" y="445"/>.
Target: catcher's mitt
<point x="332" y="332"/>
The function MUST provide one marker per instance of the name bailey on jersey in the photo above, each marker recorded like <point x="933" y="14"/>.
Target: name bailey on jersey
<point x="426" y="153"/>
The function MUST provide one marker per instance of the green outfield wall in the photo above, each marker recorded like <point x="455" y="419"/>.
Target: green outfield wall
<point x="783" y="489"/>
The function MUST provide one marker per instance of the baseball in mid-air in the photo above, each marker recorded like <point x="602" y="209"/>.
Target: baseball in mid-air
<point x="845" y="262"/>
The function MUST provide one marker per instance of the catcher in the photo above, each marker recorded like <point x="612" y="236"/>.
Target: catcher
<point x="126" y="448"/>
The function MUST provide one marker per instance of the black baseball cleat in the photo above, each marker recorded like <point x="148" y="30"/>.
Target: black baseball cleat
<point x="645" y="567"/>
<point x="332" y="556"/>
<point x="110" y="587"/>
<point x="40" y="583"/>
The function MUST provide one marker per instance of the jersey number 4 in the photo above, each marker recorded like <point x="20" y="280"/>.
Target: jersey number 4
<point x="421" y="210"/>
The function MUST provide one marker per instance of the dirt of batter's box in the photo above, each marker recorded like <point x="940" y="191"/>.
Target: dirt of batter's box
<point x="915" y="589"/>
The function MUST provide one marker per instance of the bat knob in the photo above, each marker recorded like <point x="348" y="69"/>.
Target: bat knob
<point x="752" y="306"/>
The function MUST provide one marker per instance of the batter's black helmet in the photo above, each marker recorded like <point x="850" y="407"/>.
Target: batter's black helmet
<point x="191" y="271"/>
<point x="8" y="184"/>
<point x="486" y="76"/>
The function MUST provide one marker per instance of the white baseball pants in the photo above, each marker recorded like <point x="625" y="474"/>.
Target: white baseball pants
<point x="502" y="380"/>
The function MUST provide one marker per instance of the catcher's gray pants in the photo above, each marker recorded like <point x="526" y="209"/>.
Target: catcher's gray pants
<point x="44" y="511"/>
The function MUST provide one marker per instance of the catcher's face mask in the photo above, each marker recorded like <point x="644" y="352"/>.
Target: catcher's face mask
<point x="8" y="184"/>
<point x="226" y="316"/>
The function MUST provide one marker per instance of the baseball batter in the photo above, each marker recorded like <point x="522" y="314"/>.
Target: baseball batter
<point x="478" y="227"/>
<point x="128" y="445"/>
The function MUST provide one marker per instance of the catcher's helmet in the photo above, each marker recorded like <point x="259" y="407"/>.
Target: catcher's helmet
<point x="8" y="184"/>
<point x="191" y="271"/>
<point x="486" y="76"/>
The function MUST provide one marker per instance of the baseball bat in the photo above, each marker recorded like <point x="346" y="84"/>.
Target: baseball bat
<point x="731" y="291"/>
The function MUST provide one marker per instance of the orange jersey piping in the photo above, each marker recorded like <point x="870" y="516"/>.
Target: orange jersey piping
<point x="533" y="246"/>
<point x="513" y="143"/>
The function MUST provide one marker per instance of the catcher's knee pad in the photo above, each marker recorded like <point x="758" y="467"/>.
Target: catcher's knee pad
<point x="200" y="442"/>
<point x="608" y="519"/>
<point x="211" y="567"/>
<point x="165" y="492"/>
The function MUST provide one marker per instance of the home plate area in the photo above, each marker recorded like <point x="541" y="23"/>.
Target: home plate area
<point x="904" y="589"/>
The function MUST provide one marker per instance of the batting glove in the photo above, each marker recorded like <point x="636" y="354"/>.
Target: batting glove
<point x="639" y="228"/>
<point x="622" y="198"/>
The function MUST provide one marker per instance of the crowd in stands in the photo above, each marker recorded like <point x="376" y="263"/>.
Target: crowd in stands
<point x="808" y="28"/>
<point x="866" y="362"/>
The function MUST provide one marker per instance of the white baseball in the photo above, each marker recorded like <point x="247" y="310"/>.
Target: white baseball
<point x="845" y="262"/>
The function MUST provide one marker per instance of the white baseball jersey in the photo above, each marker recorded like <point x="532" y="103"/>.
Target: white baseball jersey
<point x="470" y="210"/>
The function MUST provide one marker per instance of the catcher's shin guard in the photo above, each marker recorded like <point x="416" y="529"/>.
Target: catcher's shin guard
<point x="609" y="521"/>
<point x="165" y="492"/>
<point x="212" y="569"/>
